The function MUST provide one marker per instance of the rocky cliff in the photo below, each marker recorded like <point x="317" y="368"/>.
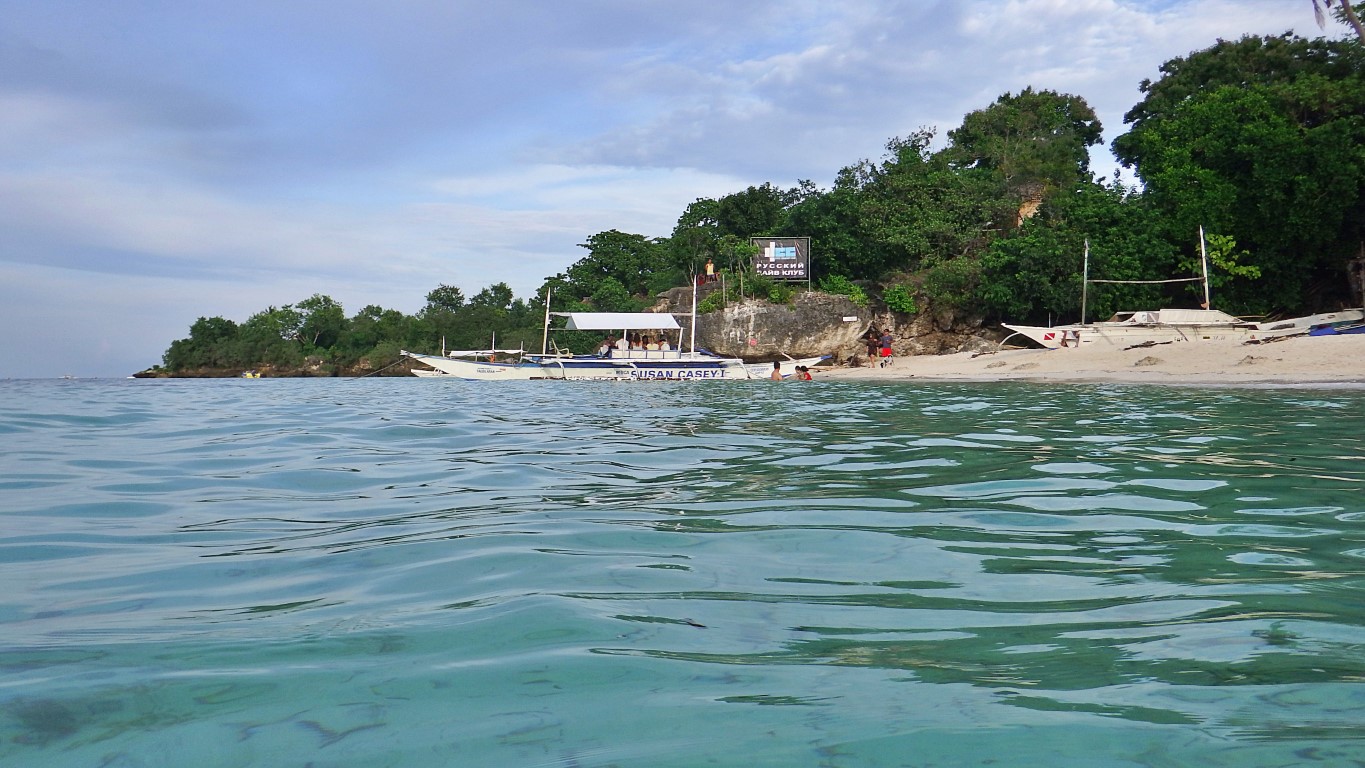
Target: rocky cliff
<point x="822" y="324"/>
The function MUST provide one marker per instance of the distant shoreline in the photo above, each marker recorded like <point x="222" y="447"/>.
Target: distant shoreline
<point x="1295" y="361"/>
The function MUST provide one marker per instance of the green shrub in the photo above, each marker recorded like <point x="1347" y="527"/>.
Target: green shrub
<point x="713" y="303"/>
<point x="953" y="283"/>
<point x="842" y="286"/>
<point x="781" y="293"/>
<point x="900" y="299"/>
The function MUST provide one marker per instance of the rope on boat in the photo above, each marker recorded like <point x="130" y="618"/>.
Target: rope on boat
<point x="399" y="361"/>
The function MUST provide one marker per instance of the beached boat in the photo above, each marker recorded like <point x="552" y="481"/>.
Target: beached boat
<point x="1127" y="329"/>
<point x="614" y="364"/>
<point x="1162" y="326"/>
<point x="1338" y="329"/>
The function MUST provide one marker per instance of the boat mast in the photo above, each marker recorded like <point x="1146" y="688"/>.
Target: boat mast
<point x="1085" y="278"/>
<point x="1204" y="262"/>
<point x="545" y="335"/>
<point x="693" y="343"/>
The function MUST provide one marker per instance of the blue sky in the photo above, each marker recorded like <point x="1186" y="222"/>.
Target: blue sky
<point x="163" y="161"/>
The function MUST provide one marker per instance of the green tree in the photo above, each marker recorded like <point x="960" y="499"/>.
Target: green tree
<point x="210" y="345"/>
<point x="321" y="321"/>
<point x="921" y="211"/>
<point x="1035" y="274"/>
<point x="1038" y="142"/>
<point x="840" y="246"/>
<point x="271" y="337"/>
<point x="496" y="296"/>
<point x="375" y="333"/>
<point x="445" y="297"/>
<point x="611" y="296"/>
<point x="694" y="238"/>
<point x="629" y="259"/>
<point x="708" y="229"/>
<point x="1261" y="139"/>
<point x="754" y="212"/>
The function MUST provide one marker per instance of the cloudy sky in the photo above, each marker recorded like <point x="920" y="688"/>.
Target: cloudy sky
<point x="163" y="161"/>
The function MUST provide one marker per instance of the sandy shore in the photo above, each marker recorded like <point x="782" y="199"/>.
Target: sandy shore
<point x="1333" y="360"/>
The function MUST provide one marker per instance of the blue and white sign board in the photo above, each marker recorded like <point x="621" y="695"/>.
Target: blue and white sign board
<point x="782" y="258"/>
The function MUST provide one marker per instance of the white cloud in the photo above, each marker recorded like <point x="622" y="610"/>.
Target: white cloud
<point x="172" y="161"/>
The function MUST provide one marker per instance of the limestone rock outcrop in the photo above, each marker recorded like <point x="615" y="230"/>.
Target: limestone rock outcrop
<point x="821" y="324"/>
<point x="814" y="324"/>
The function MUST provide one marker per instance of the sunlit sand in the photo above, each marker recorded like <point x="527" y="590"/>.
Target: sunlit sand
<point x="1296" y="360"/>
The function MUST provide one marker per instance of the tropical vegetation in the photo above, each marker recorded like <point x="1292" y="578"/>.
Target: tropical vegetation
<point x="1259" y="141"/>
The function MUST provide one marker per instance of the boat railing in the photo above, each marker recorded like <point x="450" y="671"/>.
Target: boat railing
<point x="647" y="354"/>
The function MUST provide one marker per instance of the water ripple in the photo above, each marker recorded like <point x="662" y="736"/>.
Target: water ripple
<point x="411" y="572"/>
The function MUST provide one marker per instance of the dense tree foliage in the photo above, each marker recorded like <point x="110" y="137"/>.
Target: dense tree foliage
<point x="1037" y="142"/>
<point x="1259" y="141"/>
<point x="617" y="264"/>
<point x="1036" y="275"/>
<point x="1263" y="140"/>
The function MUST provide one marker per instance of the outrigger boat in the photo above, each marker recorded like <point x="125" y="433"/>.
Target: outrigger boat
<point x="616" y="364"/>
<point x="1167" y="325"/>
<point x="479" y="364"/>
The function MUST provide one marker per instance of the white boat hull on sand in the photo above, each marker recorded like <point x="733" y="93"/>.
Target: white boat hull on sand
<point x="1171" y="325"/>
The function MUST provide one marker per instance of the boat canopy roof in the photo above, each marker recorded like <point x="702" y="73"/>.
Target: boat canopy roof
<point x="1177" y="317"/>
<point x="483" y="352"/>
<point x="619" y="321"/>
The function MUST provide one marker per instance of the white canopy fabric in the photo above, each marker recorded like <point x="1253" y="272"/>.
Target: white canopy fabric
<point x="482" y="352"/>
<point x="620" y="321"/>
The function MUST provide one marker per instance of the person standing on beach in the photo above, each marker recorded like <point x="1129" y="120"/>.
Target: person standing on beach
<point x="873" y="338"/>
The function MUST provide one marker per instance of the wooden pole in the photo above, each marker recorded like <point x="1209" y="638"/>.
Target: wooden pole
<point x="1085" y="278"/>
<point x="1204" y="262"/>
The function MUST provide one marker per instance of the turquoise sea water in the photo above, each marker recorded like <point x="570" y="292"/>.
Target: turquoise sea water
<point x="408" y="572"/>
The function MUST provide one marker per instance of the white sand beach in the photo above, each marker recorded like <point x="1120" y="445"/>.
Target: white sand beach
<point x="1299" y="360"/>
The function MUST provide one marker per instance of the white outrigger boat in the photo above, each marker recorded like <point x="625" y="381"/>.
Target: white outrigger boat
<point x="1168" y="325"/>
<point x="616" y="364"/>
<point x="478" y="364"/>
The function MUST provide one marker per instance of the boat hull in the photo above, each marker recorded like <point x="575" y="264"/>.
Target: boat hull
<point x="1338" y="330"/>
<point x="617" y="369"/>
<point x="1060" y="336"/>
<point x="1166" y="326"/>
<point x="788" y="369"/>
<point x="473" y="370"/>
<point x="648" y="366"/>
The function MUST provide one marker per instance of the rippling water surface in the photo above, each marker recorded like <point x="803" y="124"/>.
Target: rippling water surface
<point x="428" y="573"/>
